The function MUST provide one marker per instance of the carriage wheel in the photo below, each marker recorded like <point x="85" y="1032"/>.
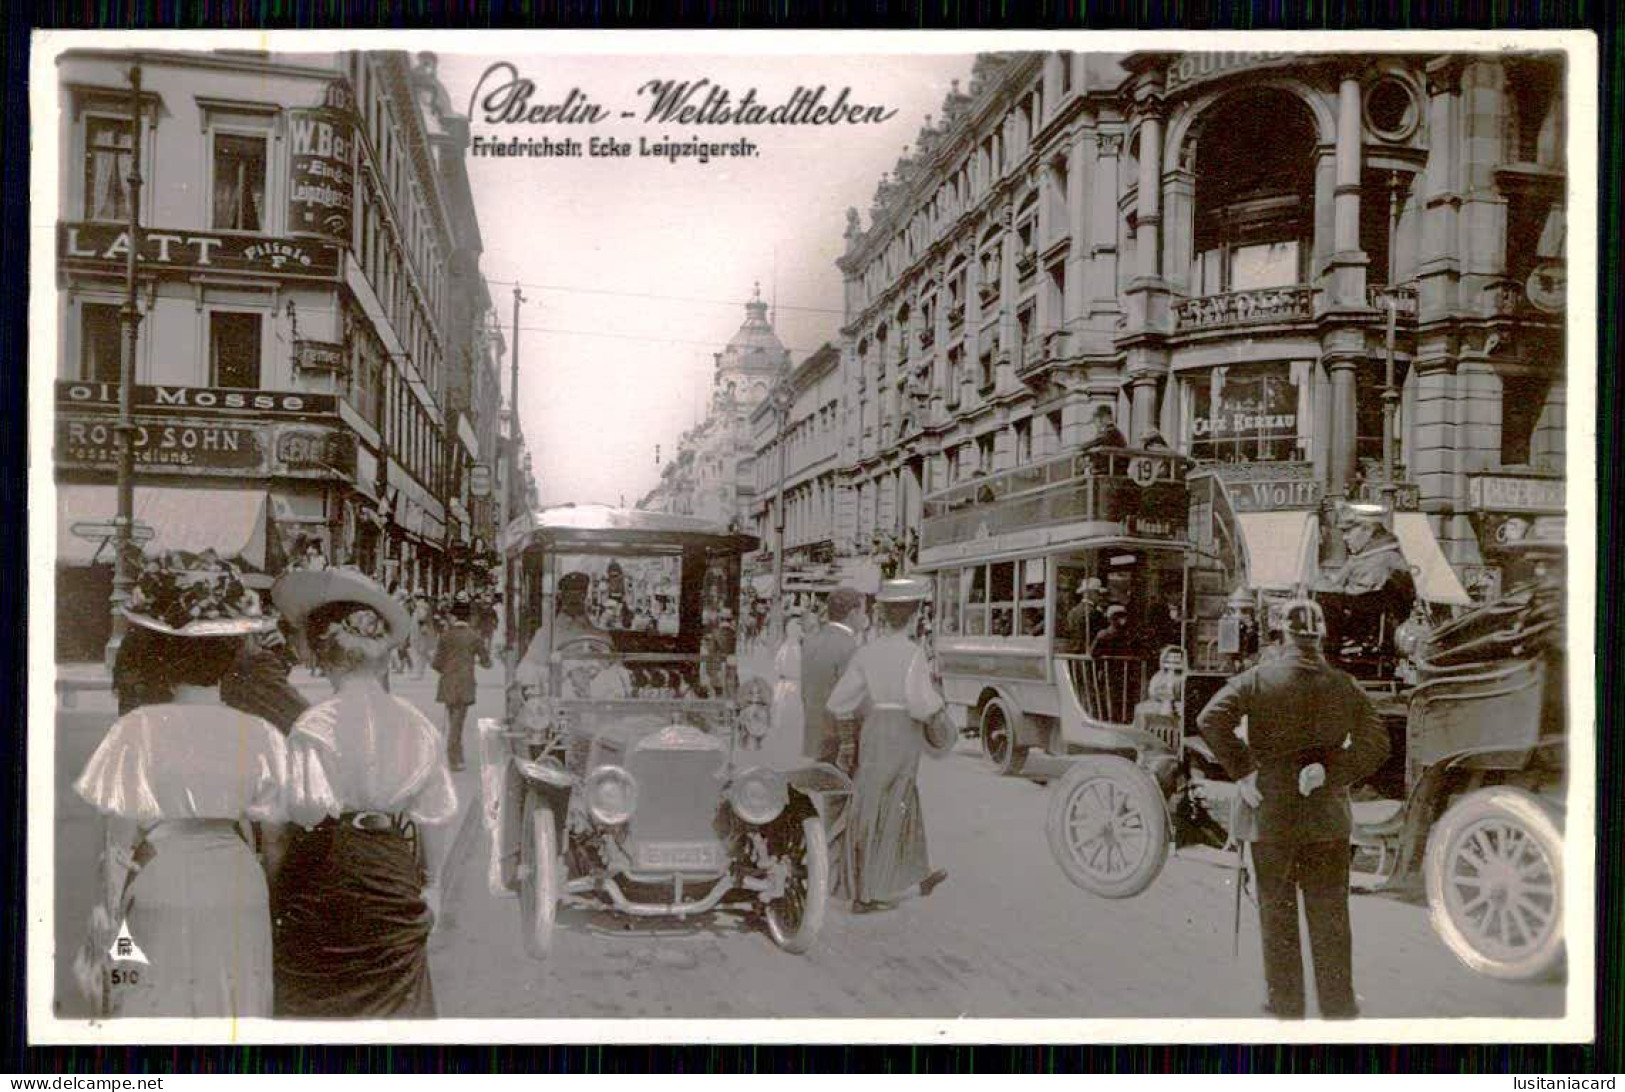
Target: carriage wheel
<point x="1108" y="826"/>
<point x="1494" y="873"/>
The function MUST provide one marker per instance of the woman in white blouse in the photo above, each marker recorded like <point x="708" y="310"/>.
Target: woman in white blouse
<point x="366" y="781"/>
<point x="179" y="782"/>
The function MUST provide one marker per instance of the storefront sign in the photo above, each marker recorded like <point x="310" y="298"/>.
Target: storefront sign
<point x="1243" y="424"/>
<point x="106" y="247"/>
<point x="1493" y="494"/>
<point x="313" y="449"/>
<point x="196" y="401"/>
<point x="321" y="174"/>
<point x="1193" y="68"/>
<point x="92" y="441"/>
<point x="1274" y="496"/>
<point x="1407" y="496"/>
<point x="479" y="480"/>
<point x="318" y="356"/>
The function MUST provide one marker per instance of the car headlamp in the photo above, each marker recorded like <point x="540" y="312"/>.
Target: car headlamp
<point x="758" y="796"/>
<point x="612" y="795"/>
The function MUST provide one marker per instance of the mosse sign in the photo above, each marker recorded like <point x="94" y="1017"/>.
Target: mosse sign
<point x="194" y="400"/>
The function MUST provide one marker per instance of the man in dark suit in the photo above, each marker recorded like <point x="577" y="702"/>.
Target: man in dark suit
<point x="454" y="659"/>
<point x="824" y="656"/>
<point x="1311" y="733"/>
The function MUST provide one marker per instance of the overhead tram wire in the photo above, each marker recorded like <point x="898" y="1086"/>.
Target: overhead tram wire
<point x="712" y="344"/>
<point x="655" y="296"/>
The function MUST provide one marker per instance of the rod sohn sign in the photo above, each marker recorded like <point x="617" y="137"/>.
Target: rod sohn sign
<point x="93" y="441"/>
<point x="106" y="247"/>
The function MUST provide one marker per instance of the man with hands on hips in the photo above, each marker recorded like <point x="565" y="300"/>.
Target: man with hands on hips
<point x="1311" y="733"/>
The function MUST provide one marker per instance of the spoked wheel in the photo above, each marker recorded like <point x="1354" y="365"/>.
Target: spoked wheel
<point x="795" y="918"/>
<point x="538" y="880"/>
<point x="1108" y="826"/>
<point x="1495" y="883"/>
<point x="999" y="739"/>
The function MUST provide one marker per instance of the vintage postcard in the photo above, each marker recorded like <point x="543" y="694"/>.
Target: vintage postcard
<point x="997" y="537"/>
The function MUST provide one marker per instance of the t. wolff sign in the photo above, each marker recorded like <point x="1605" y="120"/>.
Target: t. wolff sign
<point x="107" y="247"/>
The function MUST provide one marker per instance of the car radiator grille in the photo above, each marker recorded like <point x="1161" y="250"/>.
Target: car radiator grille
<point x="679" y="793"/>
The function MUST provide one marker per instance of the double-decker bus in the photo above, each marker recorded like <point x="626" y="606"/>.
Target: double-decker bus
<point x="1031" y="566"/>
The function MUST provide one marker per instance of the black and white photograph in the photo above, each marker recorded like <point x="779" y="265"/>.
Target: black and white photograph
<point x="983" y="537"/>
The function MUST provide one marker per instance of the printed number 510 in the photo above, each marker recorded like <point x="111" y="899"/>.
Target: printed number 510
<point x="121" y="977"/>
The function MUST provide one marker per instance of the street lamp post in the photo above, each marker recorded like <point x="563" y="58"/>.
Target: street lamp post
<point x="781" y="414"/>
<point x="130" y="323"/>
<point x="1390" y="395"/>
<point x="509" y="632"/>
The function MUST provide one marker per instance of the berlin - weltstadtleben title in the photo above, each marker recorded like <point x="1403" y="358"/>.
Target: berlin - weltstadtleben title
<point x="504" y="97"/>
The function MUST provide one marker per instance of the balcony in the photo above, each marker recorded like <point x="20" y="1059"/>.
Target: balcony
<point x="1257" y="306"/>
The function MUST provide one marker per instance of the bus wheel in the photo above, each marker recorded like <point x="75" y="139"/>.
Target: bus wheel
<point x="1494" y="872"/>
<point x="999" y="738"/>
<point x="1108" y="826"/>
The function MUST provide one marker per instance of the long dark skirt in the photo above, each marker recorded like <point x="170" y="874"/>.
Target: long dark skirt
<point x="886" y="851"/>
<point x="351" y="926"/>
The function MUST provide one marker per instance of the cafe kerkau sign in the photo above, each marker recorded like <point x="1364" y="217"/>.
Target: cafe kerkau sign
<point x="107" y="247"/>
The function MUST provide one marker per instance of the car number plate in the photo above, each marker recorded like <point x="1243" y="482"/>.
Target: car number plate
<point x="662" y="855"/>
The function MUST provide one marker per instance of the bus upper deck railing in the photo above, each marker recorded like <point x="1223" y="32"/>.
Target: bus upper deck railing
<point x="1142" y="491"/>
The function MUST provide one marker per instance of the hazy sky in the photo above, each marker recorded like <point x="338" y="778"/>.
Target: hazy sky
<point x="608" y="368"/>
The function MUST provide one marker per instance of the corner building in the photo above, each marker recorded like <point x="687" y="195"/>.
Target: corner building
<point x="302" y="377"/>
<point x="1205" y="243"/>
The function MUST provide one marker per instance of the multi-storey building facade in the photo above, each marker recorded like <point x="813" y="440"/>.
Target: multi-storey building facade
<point x="713" y="475"/>
<point x="1206" y="244"/>
<point x="309" y="295"/>
<point x="804" y="444"/>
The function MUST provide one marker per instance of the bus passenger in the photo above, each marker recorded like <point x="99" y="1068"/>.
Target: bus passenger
<point x="1116" y="639"/>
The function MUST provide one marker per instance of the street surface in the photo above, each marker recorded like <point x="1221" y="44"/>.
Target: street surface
<point x="1006" y="937"/>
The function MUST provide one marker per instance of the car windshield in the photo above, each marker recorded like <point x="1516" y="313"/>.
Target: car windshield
<point x="654" y="623"/>
<point x="624" y="594"/>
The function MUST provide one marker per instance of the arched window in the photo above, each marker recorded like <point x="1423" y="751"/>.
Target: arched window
<point x="1254" y="168"/>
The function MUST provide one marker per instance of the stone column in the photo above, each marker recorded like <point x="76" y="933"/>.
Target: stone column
<point x="1342" y="369"/>
<point x="1075" y="308"/>
<point x="1148" y="211"/>
<point x="1348" y="272"/>
<point x="1144" y="415"/>
<point x="1102" y="288"/>
<point x="1007" y="302"/>
<point x="1179" y="227"/>
<point x="1439" y="270"/>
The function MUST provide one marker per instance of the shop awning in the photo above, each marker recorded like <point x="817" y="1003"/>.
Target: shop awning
<point x="232" y="522"/>
<point x="1435" y="579"/>
<point x="1283" y="549"/>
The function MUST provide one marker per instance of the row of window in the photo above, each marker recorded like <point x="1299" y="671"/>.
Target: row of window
<point x="995" y="155"/>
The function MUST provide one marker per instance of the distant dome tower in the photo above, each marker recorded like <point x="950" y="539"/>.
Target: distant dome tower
<point x="754" y="360"/>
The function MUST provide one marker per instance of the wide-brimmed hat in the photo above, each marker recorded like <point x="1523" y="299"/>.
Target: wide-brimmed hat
<point x="905" y="590"/>
<point x="299" y="592"/>
<point x="1115" y="609"/>
<point x="195" y="595"/>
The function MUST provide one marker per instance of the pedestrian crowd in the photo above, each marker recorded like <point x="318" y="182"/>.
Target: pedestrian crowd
<point x="272" y="859"/>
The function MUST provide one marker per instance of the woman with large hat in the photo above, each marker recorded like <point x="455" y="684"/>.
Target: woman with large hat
<point x="888" y="683"/>
<point x="179" y="780"/>
<point x="366" y="777"/>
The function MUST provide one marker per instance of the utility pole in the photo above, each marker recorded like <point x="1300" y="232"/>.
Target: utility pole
<point x="130" y="325"/>
<point x="509" y="631"/>
<point x="781" y="411"/>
